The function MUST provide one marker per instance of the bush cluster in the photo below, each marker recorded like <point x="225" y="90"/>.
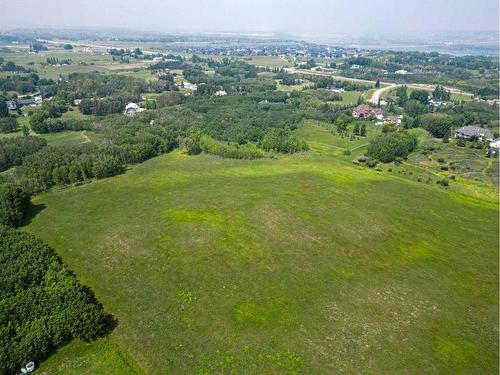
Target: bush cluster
<point x="389" y="146"/>
<point x="230" y="150"/>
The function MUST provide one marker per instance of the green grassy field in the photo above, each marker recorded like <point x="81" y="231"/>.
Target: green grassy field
<point x="454" y="97"/>
<point x="321" y="139"/>
<point x="305" y="264"/>
<point x="66" y="138"/>
<point x="268" y="61"/>
<point x="80" y="63"/>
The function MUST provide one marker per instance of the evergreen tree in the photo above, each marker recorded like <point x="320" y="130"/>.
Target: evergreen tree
<point x="362" y="131"/>
<point x="402" y="94"/>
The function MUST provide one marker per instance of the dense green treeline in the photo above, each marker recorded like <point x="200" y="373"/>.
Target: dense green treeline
<point x="43" y="306"/>
<point x="13" y="150"/>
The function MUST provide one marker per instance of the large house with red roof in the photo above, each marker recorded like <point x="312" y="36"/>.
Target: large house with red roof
<point x="365" y="111"/>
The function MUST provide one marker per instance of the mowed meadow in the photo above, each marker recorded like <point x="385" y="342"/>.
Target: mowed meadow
<point x="304" y="264"/>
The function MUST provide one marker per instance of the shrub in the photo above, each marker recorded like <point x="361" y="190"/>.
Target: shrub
<point x="8" y="124"/>
<point x="192" y="145"/>
<point x="443" y="182"/>
<point x="230" y="150"/>
<point x="387" y="147"/>
<point x="281" y="140"/>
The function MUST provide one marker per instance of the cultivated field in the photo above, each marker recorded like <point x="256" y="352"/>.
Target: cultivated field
<point x="305" y="264"/>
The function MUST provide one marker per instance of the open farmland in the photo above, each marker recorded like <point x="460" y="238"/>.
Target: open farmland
<point x="225" y="215"/>
<point x="303" y="264"/>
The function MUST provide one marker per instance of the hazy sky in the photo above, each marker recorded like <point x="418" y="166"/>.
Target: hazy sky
<point x="344" y="17"/>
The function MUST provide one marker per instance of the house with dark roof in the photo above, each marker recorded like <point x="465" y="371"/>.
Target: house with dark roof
<point x="27" y="102"/>
<point x="473" y="132"/>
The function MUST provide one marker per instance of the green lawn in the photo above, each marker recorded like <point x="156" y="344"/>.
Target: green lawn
<point x="305" y="85"/>
<point x="67" y="137"/>
<point x="454" y="97"/>
<point x="351" y="97"/>
<point x="321" y="139"/>
<point x="304" y="264"/>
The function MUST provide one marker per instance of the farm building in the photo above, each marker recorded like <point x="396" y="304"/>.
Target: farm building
<point x="473" y="132"/>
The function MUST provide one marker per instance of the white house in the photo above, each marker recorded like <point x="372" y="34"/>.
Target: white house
<point x="436" y="102"/>
<point x="132" y="108"/>
<point x="494" y="148"/>
<point x="401" y="72"/>
<point x="189" y="86"/>
<point x="220" y="93"/>
<point x="495" y="145"/>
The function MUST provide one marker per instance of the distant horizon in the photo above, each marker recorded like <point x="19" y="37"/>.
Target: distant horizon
<point x="181" y="31"/>
<point x="355" y="18"/>
<point x="454" y="42"/>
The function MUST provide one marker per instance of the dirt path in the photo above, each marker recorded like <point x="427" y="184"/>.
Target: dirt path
<point x="85" y="137"/>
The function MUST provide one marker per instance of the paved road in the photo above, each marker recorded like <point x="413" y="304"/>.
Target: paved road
<point x="378" y="93"/>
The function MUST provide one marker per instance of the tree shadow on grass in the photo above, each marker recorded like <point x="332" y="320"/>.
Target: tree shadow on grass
<point x="110" y="324"/>
<point x="33" y="210"/>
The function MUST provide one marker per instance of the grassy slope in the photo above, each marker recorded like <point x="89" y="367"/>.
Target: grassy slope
<point x="306" y="264"/>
